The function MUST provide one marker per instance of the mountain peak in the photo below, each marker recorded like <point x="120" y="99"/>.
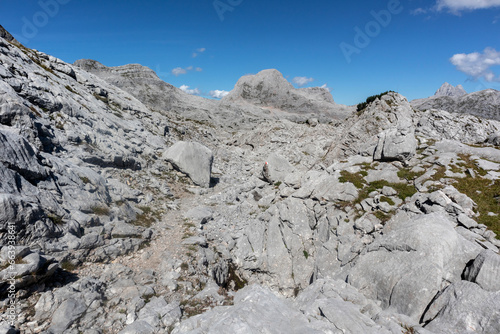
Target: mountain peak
<point x="7" y="36"/>
<point x="449" y="90"/>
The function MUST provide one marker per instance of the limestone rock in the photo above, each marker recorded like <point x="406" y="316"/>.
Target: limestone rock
<point x="485" y="271"/>
<point x="407" y="266"/>
<point x="192" y="158"/>
<point x="276" y="169"/>
<point x="464" y="308"/>
<point x="255" y="309"/>
<point x="485" y="103"/>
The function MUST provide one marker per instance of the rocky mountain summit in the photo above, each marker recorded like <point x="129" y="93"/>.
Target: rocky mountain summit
<point x="485" y="103"/>
<point x="448" y="90"/>
<point x="270" y="90"/>
<point x="137" y="208"/>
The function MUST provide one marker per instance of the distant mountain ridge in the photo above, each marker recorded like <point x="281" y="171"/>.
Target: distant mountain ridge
<point x="485" y="103"/>
<point x="449" y="90"/>
<point x="270" y="89"/>
<point x="264" y="95"/>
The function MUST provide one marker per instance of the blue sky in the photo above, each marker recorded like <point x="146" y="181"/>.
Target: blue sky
<point x="207" y="45"/>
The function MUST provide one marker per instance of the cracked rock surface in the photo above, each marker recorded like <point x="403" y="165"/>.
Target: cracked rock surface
<point x="138" y="208"/>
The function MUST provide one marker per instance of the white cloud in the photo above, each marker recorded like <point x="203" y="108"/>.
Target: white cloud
<point x="179" y="70"/>
<point x="455" y="6"/>
<point x="302" y="81"/>
<point x="478" y="65"/>
<point x="218" y="94"/>
<point x="418" y="11"/>
<point x="198" y="51"/>
<point x="186" y="89"/>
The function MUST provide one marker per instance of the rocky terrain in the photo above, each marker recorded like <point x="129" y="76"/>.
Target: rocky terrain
<point x="137" y="208"/>
<point x="485" y="103"/>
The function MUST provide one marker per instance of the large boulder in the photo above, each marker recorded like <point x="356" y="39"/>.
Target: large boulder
<point x="397" y="142"/>
<point x="464" y="308"/>
<point x="276" y="168"/>
<point x="485" y="271"/>
<point x="255" y="310"/>
<point x="411" y="262"/>
<point x="193" y="159"/>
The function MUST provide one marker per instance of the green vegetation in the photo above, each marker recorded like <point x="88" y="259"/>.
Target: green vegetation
<point x="101" y="210"/>
<point x="382" y="216"/>
<point x="403" y="190"/>
<point x="439" y="174"/>
<point x="234" y="279"/>
<point x="469" y="163"/>
<point x="486" y="194"/>
<point x="84" y="179"/>
<point x="147" y="297"/>
<point x="147" y="217"/>
<point x="407" y="174"/>
<point x="57" y="220"/>
<point x="362" y="106"/>
<point x="355" y="178"/>
<point x="306" y="254"/>
<point x="68" y="87"/>
<point x="387" y="200"/>
<point x="68" y="266"/>
<point x="34" y="111"/>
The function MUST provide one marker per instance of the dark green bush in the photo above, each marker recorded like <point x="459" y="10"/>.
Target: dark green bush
<point x="361" y="106"/>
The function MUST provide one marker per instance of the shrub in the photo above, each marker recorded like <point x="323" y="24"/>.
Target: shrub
<point x="362" y="106"/>
<point x="101" y="210"/>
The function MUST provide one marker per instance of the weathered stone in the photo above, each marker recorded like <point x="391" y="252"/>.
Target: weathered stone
<point x="407" y="266"/>
<point x="277" y="168"/>
<point x="66" y="314"/>
<point x="255" y="309"/>
<point x="485" y="271"/>
<point x="464" y="307"/>
<point x="192" y="158"/>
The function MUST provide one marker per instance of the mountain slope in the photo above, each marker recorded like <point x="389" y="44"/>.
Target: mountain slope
<point x="485" y="103"/>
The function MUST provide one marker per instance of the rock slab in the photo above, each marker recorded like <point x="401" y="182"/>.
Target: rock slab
<point x="193" y="159"/>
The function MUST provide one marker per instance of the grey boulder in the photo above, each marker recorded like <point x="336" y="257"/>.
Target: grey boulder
<point x="193" y="159"/>
<point x="66" y="314"/>
<point x="485" y="271"/>
<point x="255" y="310"/>
<point x="396" y="144"/>
<point x="411" y="262"/>
<point x="276" y="168"/>
<point x="464" y="308"/>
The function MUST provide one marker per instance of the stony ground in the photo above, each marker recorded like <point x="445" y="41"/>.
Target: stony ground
<point x="381" y="220"/>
